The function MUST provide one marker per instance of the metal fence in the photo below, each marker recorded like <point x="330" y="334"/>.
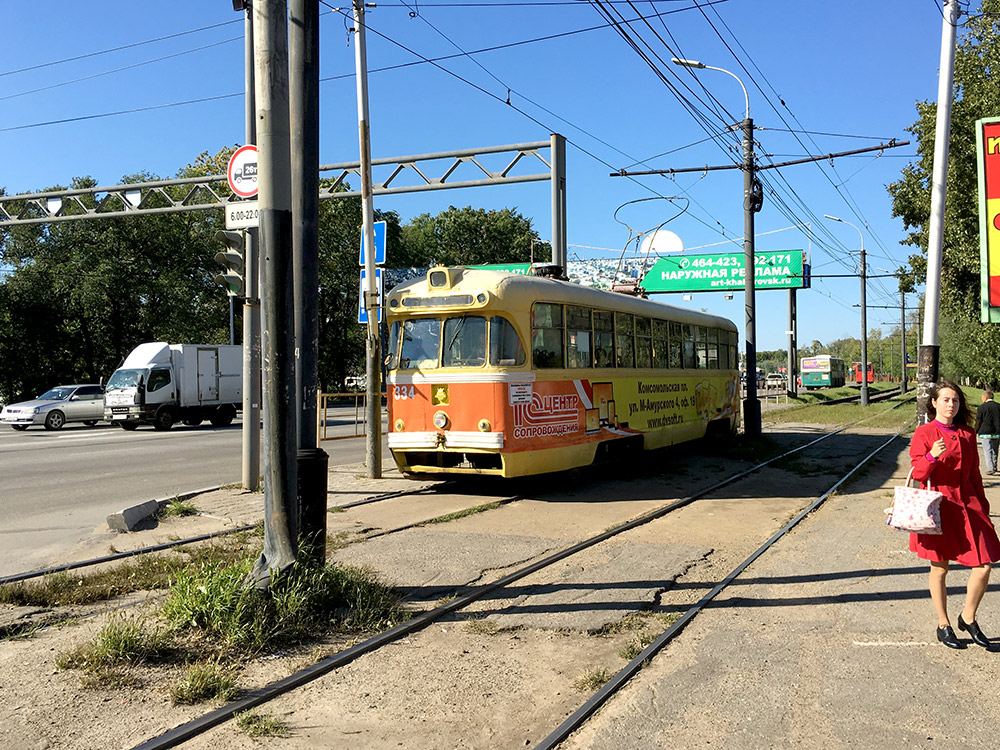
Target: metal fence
<point x="325" y="422"/>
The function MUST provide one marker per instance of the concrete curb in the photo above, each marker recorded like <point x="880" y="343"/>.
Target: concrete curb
<point x="129" y="519"/>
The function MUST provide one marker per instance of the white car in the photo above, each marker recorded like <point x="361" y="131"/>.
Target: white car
<point x="56" y="407"/>
<point x="774" y="380"/>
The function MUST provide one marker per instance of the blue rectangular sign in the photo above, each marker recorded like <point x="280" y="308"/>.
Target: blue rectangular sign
<point x="379" y="227"/>
<point x="362" y="310"/>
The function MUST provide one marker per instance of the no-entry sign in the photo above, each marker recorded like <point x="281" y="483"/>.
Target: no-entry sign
<point x="242" y="171"/>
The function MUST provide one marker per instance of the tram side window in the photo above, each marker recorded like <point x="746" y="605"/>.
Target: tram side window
<point x="689" y="360"/>
<point x="464" y="342"/>
<point x="734" y="350"/>
<point x="421" y="342"/>
<point x="604" y="338"/>
<point x="624" y="340"/>
<point x="505" y="345"/>
<point x="546" y="335"/>
<point x="579" y="335"/>
<point x="643" y="342"/>
<point x="701" y="346"/>
<point x="660" y="344"/>
<point x="676" y="359"/>
<point x="392" y="345"/>
<point x="713" y="348"/>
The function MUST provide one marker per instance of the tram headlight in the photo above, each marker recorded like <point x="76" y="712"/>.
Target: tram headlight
<point x="484" y="425"/>
<point x="398" y="425"/>
<point x="440" y="420"/>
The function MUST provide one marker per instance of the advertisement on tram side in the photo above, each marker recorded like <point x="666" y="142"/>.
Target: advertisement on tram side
<point x="543" y="413"/>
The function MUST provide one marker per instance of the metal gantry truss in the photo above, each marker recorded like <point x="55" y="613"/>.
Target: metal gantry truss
<point x="212" y="191"/>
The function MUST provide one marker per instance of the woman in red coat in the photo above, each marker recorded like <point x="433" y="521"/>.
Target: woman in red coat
<point x="945" y="454"/>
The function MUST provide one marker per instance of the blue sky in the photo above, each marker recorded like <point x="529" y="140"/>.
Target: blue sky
<point x="848" y="73"/>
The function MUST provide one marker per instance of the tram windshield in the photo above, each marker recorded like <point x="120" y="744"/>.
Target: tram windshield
<point x="428" y="343"/>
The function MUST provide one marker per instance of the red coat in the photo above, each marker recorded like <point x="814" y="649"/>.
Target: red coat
<point x="969" y="537"/>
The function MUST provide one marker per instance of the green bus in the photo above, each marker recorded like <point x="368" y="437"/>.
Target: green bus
<point x="822" y="371"/>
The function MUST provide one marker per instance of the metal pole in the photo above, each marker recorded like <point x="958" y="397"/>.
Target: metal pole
<point x="902" y="341"/>
<point x="274" y="180"/>
<point x="927" y="368"/>
<point x="751" y="406"/>
<point x="232" y="322"/>
<point x="251" y="304"/>
<point x="791" y="365"/>
<point x="304" y="114"/>
<point x="864" y="324"/>
<point x="373" y="405"/>
<point x="559" y="249"/>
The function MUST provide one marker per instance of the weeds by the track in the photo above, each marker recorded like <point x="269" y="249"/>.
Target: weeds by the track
<point x="461" y="513"/>
<point x="592" y="680"/>
<point x="481" y="626"/>
<point x="204" y="682"/>
<point x="214" y="601"/>
<point x="124" y="640"/>
<point x="254" y="725"/>
<point x="177" y="508"/>
<point x="145" y="573"/>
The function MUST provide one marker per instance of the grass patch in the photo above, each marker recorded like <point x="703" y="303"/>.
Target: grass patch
<point x="177" y="508"/>
<point x="124" y="640"/>
<point x="879" y="414"/>
<point x="144" y="573"/>
<point x="462" y="513"/>
<point x="336" y="509"/>
<point x="481" y="626"/>
<point x="255" y="725"/>
<point x="592" y="680"/>
<point x="214" y="601"/>
<point x="204" y="682"/>
<point x="640" y="621"/>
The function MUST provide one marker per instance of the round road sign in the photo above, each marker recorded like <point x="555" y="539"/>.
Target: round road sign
<point x="242" y="171"/>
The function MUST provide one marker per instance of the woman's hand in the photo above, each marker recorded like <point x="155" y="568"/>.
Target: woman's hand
<point x="938" y="448"/>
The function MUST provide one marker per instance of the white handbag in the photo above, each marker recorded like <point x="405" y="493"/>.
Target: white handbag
<point x="914" y="509"/>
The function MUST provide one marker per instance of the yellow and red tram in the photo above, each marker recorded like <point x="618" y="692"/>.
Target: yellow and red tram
<point x="511" y="375"/>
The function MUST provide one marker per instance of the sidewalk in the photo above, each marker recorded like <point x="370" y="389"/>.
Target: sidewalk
<point x="827" y="641"/>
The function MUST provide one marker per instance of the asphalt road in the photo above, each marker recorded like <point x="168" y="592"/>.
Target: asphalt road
<point x="58" y="487"/>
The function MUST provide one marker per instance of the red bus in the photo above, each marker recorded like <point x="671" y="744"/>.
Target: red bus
<point x="856" y="368"/>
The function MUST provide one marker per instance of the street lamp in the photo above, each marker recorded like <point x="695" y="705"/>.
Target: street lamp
<point x="864" y="314"/>
<point x="752" y="200"/>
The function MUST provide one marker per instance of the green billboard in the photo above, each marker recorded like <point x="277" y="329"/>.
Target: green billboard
<point x="725" y="272"/>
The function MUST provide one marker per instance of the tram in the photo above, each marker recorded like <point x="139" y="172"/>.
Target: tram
<point x="856" y="371"/>
<point x="822" y="371"/>
<point x="511" y="375"/>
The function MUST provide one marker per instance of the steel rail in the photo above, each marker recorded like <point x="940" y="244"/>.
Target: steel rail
<point x="252" y="699"/>
<point x="178" y="543"/>
<point x="612" y="686"/>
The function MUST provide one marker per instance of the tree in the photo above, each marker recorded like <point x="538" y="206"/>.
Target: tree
<point x="468" y="236"/>
<point x="967" y="348"/>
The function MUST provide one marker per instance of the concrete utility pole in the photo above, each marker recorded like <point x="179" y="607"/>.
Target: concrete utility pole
<point x="251" y="278"/>
<point x="864" y="311"/>
<point x="902" y="335"/>
<point x="304" y="101"/>
<point x="927" y="360"/>
<point x="373" y="349"/>
<point x="752" y="201"/>
<point x="791" y="386"/>
<point x="274" y="180"/>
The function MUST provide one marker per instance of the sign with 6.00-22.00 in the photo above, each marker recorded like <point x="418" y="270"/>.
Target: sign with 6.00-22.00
<point x="242" y="214"/>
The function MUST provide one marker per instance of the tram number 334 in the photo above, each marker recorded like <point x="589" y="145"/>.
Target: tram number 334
<point x="402" y="392"/>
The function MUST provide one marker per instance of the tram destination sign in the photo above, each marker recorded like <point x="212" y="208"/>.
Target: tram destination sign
<point x="726" y="272"/>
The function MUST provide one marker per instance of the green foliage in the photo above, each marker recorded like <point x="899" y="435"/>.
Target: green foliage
<point x="215" y="600"/>
<point x="468" y="236"/>
<point x="967" y="348"/>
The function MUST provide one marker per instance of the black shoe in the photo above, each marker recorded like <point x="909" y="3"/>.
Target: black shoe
<point x="973" y="630"/>
<point x="947" y="636"/>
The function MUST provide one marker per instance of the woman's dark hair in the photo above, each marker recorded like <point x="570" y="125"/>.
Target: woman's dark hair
<point x="963" y="415"/>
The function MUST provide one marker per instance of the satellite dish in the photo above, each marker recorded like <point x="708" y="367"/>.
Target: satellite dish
<point x="661" y="241"/>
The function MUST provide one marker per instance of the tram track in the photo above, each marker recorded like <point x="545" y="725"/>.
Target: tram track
<point x="198" y="726"/>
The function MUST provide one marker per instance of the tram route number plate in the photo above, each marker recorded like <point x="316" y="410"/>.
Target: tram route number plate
<point x="520" y="393"/>
<point x="242" y="215"/>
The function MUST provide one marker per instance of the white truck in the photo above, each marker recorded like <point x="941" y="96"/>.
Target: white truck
<point x="161" y="383"/>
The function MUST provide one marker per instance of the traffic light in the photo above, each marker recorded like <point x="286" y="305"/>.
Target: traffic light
<point x="232" y="258"/>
